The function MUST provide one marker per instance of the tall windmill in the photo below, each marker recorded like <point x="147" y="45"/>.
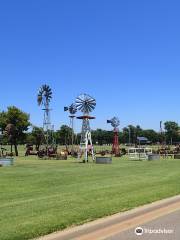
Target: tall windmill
<point x="115" y="124"/>
<point x="43" y="98"/>
<point x="161" y="127"/>
<point x="86" y="104"/>
<point x="72" y="110"/>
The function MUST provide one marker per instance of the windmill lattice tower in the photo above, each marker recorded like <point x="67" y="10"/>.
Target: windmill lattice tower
<point x="72" y="110"/>
<point x="86" y="104"/>
<point x="44" y="97"/>
<point x="115" y="124"/>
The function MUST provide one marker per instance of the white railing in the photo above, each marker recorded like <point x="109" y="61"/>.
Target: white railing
<point x="139" y="153"/>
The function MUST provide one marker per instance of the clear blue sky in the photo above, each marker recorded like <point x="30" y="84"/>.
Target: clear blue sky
<point x="124" y="53"/>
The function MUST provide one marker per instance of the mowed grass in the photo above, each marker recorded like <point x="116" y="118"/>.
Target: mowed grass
<point x="38" y="197"/>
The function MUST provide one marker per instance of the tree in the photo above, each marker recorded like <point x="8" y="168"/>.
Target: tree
<point x="139" y="131"/>
<point x="151" y="135"/>
<point x="10" y="133"/>
<point x="98" y="136"/>
<point x="37" y="137"/>
<point x="126" y="135"/>
<point x="14" y="123"/>
<point x="3" y="121"/>
<point x="102" y="136"/>
<point x="172" y="131"/>
<point x="133" y="133"/>
<point x="63" y="136"/>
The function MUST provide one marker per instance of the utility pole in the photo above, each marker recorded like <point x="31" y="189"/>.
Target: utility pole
<point x="129" y="135"/>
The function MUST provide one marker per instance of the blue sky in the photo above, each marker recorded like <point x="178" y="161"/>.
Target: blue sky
<point x="124" y="53"/>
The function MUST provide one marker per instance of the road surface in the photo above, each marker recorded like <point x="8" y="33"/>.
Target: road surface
<point x="156" y="221"/>
<point x="163" y="228"/>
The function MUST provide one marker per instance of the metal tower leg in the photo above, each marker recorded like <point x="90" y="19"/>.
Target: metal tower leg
<point x="115" y="148"/>
<point x="86" y="139"/>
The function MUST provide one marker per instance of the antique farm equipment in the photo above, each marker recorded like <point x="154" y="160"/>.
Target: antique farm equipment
<point x="5" y="157"/>
<point x="30" y="150"/>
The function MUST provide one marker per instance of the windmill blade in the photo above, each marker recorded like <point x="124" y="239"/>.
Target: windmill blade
<point x="44" y="95"/>
<point x="114" y="122"/>
<point x="91" y="100"/>
<point x="85" y="103"/>
<point x="81" y="97"/>
<point x="39" y="99"/>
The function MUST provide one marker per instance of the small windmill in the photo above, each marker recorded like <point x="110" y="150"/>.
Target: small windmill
<point x="44" y="97"/>
<point x="72" y="110"/>
<point x="115" y="124"/>
<point x="86" y="104"/>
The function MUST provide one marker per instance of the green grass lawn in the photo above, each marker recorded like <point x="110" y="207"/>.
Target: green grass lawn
<point x="38" y="197"/>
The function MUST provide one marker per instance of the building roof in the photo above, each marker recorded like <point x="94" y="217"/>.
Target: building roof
<point x="142" y="139"/>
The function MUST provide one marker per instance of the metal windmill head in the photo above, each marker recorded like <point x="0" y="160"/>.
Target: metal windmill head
<point x="114" y="122"/>
<point x="72" y="109"/>
<point x="85" y="103"/>
<point x="44" y="95"/>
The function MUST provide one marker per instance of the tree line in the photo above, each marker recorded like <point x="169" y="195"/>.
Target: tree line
<point x="16" y="129"/>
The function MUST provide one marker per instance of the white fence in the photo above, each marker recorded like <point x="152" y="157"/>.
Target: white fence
<point x="139" y="153"/>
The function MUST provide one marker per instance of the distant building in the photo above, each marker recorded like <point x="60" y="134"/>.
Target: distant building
<point x="143" y="140"/>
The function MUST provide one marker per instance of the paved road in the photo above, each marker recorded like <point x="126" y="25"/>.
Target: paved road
<point x="162" y="216"/>
<point x="170" y="223"/>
